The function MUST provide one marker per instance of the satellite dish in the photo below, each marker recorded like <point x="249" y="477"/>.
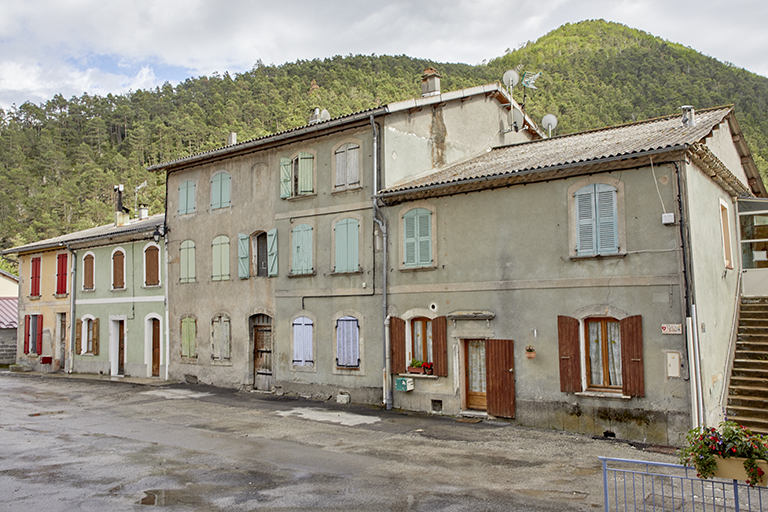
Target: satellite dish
<point x="511" y="78"/>
<point x="516" y="119"/>
<point x="550" y="122"/>
<point x="325" y="115"/>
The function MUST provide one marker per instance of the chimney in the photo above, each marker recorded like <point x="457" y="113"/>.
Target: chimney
<point x="121" y="213"/>
<point x="314" y="117"/>
<point x="430" y="83"/>
<point x="231" y="139"/>
<point x="143" y="212"/>
<point x="689" y="116"/>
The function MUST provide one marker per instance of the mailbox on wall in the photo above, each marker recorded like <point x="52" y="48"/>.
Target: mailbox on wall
<point x="403" y="384"/>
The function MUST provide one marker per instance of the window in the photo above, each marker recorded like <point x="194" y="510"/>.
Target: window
<point x="597" y="220"/>
<point x="220" y="259"/>
<point x="187" y="262"/>
<point x="426" y="340"/>
<point x="726" y="233"/>
<point x="220" y="183"/>
<point x="152" y="266"/>
<point x="302" y="342"/>
<point x="220" y="337"/>
<point x="347" y="158"/>
<point x="187" y="197"/>
<point x="272" y="253"/>
<point x="62" y="272"/>
<point x="243" y="256"/>
<point x="347" y="245"/>
<point x="33" y="334"/>
<point x="87" y="336"/>
<point x="88" y="277"/>
<point x="118" y="270"/>
<point x="262" y="255"/>
<point x="302" y="250"/>
<point x="417" y="238"/>
<point x="348" y="342"/>
<point x="296" y="175"/>
<point x="612" y="354"/>
<point x="34" y="281"/>
<point x="188" y="337"/>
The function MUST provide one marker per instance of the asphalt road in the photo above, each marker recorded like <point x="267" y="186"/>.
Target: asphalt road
<point x="76" y="445"/>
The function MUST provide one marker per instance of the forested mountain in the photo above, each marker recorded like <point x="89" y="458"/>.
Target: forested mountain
<point x="59" y="160"/>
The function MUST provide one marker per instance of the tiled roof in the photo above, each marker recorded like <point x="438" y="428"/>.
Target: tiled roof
<point x="100" y="232"/>
<point x="9" y="312"/>
<point x="578" y="149"/>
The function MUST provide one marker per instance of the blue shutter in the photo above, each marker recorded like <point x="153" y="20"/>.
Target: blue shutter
<point x="607" y="220"/>
<point x="225" y="188"/>
<point x="353" y="263"/>
<point x="216" y="191"/>
<point x="409" y="238"/>
<point x="306" y="165"/>
<point x="302" y="341"/>
<point x="348" y="342"/>
<point x="243" y="256"/>
<point x="183" y="198"/>
<point x="424" y="227"/>
<point x="417" y="240"/>
<point x="586" y="240"/>
<point x="286" y="186"/>
<point x="272" y="253"/>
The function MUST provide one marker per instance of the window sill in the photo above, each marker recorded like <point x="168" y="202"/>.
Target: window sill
<point x="597" y="256"/>
<point x="603" y="394"/>
<point x="188" y="281"/>
<point x="117" y="289"/>
<point x="220" y="208"/>
<point x="300" y="197"/>
<point x="306" y="274"/>
<point x="221" y="362"/>
<point x="151" y="286"/>
<point x="60" y="295"/>
<point x="219" y="280"/>
<point x="89" y="290"/>
<point x="35" y="297"/>
<point x="186" y="214"/>
<point x="347" y="273"/>
<point x="348" y="368"/>
<point x="418" y="269"/>
<point x="188" y="360"/>
<point x="349" y="188"/>
<point x="418" y="376"/>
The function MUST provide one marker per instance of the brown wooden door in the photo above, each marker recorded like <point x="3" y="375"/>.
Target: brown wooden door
<point x="155" y="347"/>
<point x="500" y="364"/>
<point x="121" y="347"/>
<point x="475" y="374"/>
<point x="261" y="326"/>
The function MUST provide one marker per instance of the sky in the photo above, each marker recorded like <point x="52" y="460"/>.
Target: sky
<point x="71" y="47"/>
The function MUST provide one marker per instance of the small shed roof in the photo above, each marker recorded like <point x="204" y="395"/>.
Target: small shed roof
<point x="9" y="312"/>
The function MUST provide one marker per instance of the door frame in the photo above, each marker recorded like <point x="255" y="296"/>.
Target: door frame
<point x="114" y="340"/>
<point x="148" y="342"/>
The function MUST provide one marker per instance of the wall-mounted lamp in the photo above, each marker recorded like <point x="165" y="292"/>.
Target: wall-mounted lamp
<point x="157" y="235"/>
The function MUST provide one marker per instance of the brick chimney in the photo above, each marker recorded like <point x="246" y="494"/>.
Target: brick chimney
<point x="430" y="82"/>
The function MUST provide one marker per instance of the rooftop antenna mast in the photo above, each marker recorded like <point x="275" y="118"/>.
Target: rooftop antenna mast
<point x="136" y="195"/>
<point x="528" y="80"/>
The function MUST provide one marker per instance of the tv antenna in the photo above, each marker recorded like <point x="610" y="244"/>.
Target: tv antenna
<point x="528" y="80"/>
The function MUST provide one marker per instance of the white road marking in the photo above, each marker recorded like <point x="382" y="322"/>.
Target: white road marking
<point x="343" y="418"/>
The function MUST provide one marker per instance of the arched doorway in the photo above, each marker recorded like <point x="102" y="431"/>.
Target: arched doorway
<point x="261" y="337"/>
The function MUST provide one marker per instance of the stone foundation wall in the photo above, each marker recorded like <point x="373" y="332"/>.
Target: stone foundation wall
<point x="7" y="346"/>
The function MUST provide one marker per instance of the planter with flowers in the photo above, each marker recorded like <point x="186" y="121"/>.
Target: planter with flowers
<point x="428" y="368"/>
<point x="416" y="366"/>
<point x="530" y="352"/>
<point x="731" y="447"/>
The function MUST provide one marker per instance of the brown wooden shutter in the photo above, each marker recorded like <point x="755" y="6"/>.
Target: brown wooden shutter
<point x="95" y="337"/>
<point x="152" y="266"/>
<point x="88" y="273"/>
<point x="632" y="373"/>
<point x="397" y="344"/>
<point x="500" y="377"/>
<point x="570" y="355"/>
<point x="39" y="340"/>
<point x="440" y="346"/>
<point x="27" y="325"/>
<point x="118" y="280"/>
<point x="78" y="336"/>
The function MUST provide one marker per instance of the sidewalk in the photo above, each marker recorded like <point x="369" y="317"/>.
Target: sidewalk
<point x="141" y="381"/>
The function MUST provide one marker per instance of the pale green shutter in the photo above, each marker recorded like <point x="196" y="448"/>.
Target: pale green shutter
<point x="306" y="164"/>
<point x="225" y="339"/>
<point x="353" y="175"/>
<point x="191" y="186"/>
<point x="341" y="166"/>
<point x="191" y="262"/>
<point x="424" y="227"/>
<point x="302" y="249"/>
<point x="286" y="176"/>
<point x="585" y="220"/>
<point x="409" y="238"/>
<point x="185" y="341"/>
<point x="225" y="187"/>
<point x="183" y="198"/>
<point x="216" y="191"/>
<point x="216" y="259"/>
<point x="184" y="263"/>
<point x="225" y="259"/>
<point x="607" y="225"/>
<point x="341" y="246"/>
<point x="220" y="258"/>
<point x="272" y="253"/>
<point x="347" y="259"/>
<point x="243" y="256"/>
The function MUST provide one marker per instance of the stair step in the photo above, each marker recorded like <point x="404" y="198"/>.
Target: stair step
<point x="753" y="355"/>
<point x="751" y="346"/>
<point x="753" y="413"/>
<point x="757" y="373"/>
<point x="748" y="401"/>
<point x="739" y="389"/>
<point x="757" y="330"/>
<point x="756" y="425"/>
<point x="752" y="336"/>
<point x="754" y="363"/>
<point x="750" y="321"/>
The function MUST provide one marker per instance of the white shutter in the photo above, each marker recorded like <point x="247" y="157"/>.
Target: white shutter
<point x="585" y="221"/>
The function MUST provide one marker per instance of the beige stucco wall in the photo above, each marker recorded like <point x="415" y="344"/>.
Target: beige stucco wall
<point x="720" y="142"/>
<point x="8" y="287"/>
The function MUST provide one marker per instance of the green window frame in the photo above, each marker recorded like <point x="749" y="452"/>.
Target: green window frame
<point x="187" y="197"/>
<point x="417" y="238"/>
<point x="220" y="258"/>
<point x="346" y="234"/>
<point x="302" y="250"/>
<point x="187" y="262"/>
<point x="220" y="188"/>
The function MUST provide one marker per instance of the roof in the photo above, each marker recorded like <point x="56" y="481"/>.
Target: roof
<point x="586" y="149"/>
<point x="495" y="90"/>
<point x="106" y="231"/>
<point x="9" y="275"/>
<point x="9" y="312"/>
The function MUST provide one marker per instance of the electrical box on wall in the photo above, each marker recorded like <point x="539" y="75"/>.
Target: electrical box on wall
<point x="668" y="218"/>
<point x="673" y="364"/>
<point x="403" y="384"/>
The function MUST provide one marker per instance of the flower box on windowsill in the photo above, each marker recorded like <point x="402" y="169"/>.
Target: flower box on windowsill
<point x="414" y="369"/>
<point x="733" y="469"/>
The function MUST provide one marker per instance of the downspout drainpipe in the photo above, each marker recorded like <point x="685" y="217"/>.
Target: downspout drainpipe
<point x="72" y="322"/>
<point x="167" y="283"/>
<point x="382" y="223"/>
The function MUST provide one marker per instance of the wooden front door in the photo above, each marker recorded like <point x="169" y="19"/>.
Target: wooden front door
<point x="120" y="347"/>
<point x="500" y="372"/>
<point x="475" y="379"/>
<point x="262" y="352"/>
<point x="155" y="347"/>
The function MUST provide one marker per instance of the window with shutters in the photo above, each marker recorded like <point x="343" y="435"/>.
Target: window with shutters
<point x="187" y="262"/>
<point x="260" y="258"/>
<point x="189" y="337"/>
<point x="346" y="245"/>
<point x="243" y="256"/>
<point x="34" y="277"/>
<point x="62" y="274"/>
<point x="301" y="250"/>
<point x="297" y="175"/>
<point x="422" y="338"/>
<point x="187" y="197"/>
<point x="87" y="336"/>
<point x="89" y="282"/>
<point x="220" y="338"/>
<point x="725" y="232"/>
<point x="346" y="163"/>
<point x="597" y="220"/>
<point x="220" y="258"/>
<point x="220" y="190"/>
<point x="118" y="269"/>
<point x="347" y="342"/>
<point x="611" y="351"/>
<point x="33" y="334"/>
<point x="418" y="249"/>
<point x="152" y="265"/>
<point x="303" y="349"/>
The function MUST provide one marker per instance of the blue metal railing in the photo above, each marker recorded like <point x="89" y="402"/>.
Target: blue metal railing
<point x="632" y="485"/>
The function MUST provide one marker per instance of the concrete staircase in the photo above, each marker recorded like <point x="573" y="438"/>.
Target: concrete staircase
<point x="748" y="389"/>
